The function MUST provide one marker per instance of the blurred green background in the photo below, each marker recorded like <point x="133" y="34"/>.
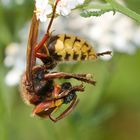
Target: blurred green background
<point x="109" y="111"/>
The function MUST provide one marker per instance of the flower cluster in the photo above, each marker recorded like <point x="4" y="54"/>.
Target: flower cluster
<point x="64" y="7"/>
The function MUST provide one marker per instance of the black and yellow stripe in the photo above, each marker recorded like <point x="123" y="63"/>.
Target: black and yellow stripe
<point x="66" y="47"/>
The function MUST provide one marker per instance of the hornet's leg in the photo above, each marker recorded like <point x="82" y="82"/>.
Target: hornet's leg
<point x="47" y="35"/>
<point x="82" y="77"/>
<point x="66" y="112"/>
<point x="66" y="92"/>
<point x="56" y="94"/>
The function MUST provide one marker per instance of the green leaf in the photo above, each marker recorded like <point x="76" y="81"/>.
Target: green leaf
<point x="86" y="13"/>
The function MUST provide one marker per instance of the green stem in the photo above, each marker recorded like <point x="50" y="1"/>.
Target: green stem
<point x="124" y="10"/>
<point x="98" y="6"/>
<point x="114" y="6"/>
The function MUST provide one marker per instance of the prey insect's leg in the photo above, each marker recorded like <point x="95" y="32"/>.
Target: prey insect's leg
<point x="66" y="112"/>
<point x="81" y="77"/>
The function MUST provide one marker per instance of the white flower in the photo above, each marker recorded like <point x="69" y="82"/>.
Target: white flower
<point x="64" y="7"/>
<point x="79" y="1"/>
<point x="13" y="76"/>
<point x="15" y="59"/>
<point x="43" y="8"/>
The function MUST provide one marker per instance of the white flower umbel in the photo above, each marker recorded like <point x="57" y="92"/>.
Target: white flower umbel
<point x="64" y="7"/>
<point x="43" y="8"/>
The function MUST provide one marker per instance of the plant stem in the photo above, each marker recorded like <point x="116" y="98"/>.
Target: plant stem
<point x="98" y="6"/>
<point x="124" y="10"/>
<point x="114" y="6"/>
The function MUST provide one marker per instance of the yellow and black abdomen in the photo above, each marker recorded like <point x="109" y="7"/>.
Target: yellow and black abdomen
<point x="65" y="47"/>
